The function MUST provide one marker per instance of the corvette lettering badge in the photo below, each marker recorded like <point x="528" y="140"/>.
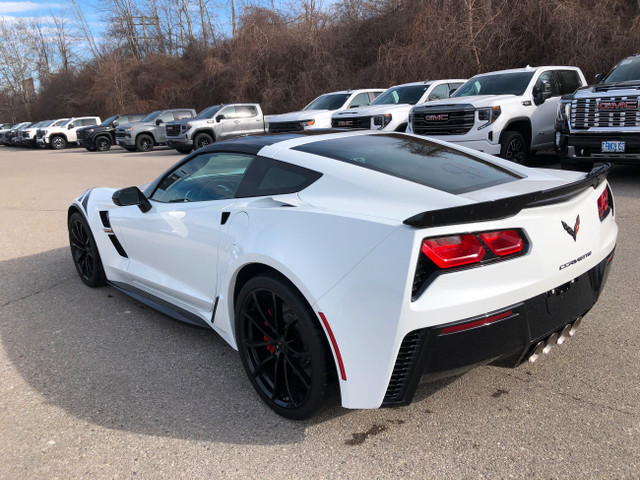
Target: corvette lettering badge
<point x="572" y="231"/>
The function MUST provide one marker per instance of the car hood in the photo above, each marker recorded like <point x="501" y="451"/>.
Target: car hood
<point x="126" y="126"/>
<point x="477" y="101"/>
<point x="95" y="128"/>
<point x="632" y="86"/>
<point x="373" y="110"/>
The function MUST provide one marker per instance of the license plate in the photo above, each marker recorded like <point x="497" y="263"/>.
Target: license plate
<point x="613" y="147"/>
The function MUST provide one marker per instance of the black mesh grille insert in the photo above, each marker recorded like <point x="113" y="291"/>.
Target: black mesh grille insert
<point x="276" y="127"/>
<point x="173" y="130"/>
<point x="403" y="369"/>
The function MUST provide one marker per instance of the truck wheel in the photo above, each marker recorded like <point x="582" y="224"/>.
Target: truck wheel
<point x="103" y="144"/>
<point x="144" y="143"/>
<point x="58" y="143"/>
<point x="202" y="140"/>
<point x="184" y="150"/>
<point x="513" y="147"/>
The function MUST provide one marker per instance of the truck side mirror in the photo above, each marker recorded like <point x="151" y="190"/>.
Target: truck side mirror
<point x="219" y="118"/>
<point x="598" y="78"/>
<point x="71" y="125"/>
<point x="159" y="121"/>
<point x="115" y="124"/>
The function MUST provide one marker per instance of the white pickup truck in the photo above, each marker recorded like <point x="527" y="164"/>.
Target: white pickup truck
<point x="510" y="113"/>
<point x="318" y="113"/>
<point x="390" y="111"/>
<point x="59" y="135"/>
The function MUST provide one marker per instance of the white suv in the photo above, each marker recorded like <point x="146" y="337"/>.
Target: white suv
<point x="508" y="113"/>
<point x="318" y="113"/>
<point x="390" y="111"/>
<point x="57" y="137"/>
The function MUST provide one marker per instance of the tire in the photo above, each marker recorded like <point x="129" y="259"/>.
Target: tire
<point x="184" y="150"/>
<point x="282" y="347"/>
<point x="202" y="140"/>
<point x="513" y="147"/>
<point x="144" y="143"/>
<point x="58" y="143"/>
<point x="103" y="144"/>
<point x="84" y="252"/>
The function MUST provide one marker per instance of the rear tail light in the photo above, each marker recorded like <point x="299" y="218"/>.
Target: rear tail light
<point x="453" y="251"/>
<point x="604" y="206"/>
<point x="504" y="242"/>
<point x="450" y="252"/>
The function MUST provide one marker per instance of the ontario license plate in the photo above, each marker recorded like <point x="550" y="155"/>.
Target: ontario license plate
<point x="613" y="147"/>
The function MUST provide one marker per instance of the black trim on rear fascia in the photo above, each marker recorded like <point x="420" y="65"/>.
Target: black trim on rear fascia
<point x="160" y="305"/>
<point x="507" y="207"/>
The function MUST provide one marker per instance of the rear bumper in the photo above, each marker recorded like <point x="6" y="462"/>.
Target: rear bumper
<point x="588" y="147"/>
<point x="440" y="351"/>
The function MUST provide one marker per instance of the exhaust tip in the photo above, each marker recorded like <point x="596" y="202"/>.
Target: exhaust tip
<point x="575" y="326"/>
<point x="537" y="351"/>
<point x="564" y="334"/>
<point x="551" y="341"/>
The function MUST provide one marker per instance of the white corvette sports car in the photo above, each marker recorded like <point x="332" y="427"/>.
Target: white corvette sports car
<point x="364" y="259"/>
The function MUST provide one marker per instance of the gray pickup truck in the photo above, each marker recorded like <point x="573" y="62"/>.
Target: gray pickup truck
<point x="142" y="136"/>
<point x="215" y="123"/>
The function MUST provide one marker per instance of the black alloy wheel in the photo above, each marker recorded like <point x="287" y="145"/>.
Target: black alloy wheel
<point x="103" y="144"/>
<point x="513" y="147"/>
<point x="144" y="143"/>
<point x="282" y="347"/>
<point x="58" y="143"/>
<point x="85" y="253"/>
<point x="202" y="140"/>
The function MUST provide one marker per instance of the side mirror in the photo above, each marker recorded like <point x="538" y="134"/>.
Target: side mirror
<point x="159" y="121"/>
<point x="452" y="91"/>
<point x="115" y="123"/>
<point x="598" y="78"/>
<point x="71" y="126"/>
<point x="131" y="196"/>
<point x="219" y="118"/>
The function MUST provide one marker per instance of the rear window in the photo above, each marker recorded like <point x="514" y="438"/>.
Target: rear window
<point x="415" y="159"/>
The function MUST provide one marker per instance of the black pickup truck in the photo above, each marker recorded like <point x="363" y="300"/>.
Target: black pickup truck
<point x="601" y="122"/>
<point x="101" y="137"/>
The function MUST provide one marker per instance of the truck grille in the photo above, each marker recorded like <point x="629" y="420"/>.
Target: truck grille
<point x="443" y="121"/>
<point x="586" y="113"/>
<point x="121" y="133"/>
<point x="173" y="130"/>
<point x="82" y="134"/>
<point x="26" y="134"/>
<point x="278" y="127"/>
<point x="351" y="122"/>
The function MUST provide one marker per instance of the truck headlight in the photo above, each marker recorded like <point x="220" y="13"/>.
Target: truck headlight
<point x="563" y="114"/>
<point x="488" y="115"/>
<point x="382" y="120"/>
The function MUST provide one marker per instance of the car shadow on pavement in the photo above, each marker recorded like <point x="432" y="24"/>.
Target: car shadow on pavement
<point x="106" y="359"/>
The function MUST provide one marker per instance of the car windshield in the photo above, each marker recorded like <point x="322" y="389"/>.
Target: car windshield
<point x="62" y="121"/>
<point x="209" y="112"/>
<point x="108" y="121"/>
<point x="414" y="159"/>
<point x="513" y="83"/>
<point x="330" y="101"/>
<point x="410" y="95"/>
<point x="626" y="71"/>
<point x="48" y="123"/>
<point x="151" y="116"/>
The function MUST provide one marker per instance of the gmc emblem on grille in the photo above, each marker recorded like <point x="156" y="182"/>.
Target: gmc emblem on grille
<point x="442" y="117"/>
<point x="345" y="123"/>
<point x="621" y="105"/>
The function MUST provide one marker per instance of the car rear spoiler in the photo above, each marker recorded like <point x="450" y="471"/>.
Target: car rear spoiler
<point x="510" y="206"/>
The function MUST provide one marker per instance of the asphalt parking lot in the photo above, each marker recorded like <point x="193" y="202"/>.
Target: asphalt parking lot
<point x="95" y="385"/>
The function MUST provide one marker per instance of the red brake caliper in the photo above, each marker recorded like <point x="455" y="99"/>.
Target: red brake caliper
<point x="270" y="348"/>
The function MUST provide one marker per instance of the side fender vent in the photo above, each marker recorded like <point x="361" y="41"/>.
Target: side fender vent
<point x="118" y="246"/>
<point x="397" y="390"/>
